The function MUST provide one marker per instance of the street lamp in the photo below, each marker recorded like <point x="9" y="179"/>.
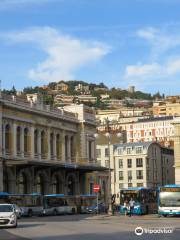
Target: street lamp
<point x="108" y="136"/>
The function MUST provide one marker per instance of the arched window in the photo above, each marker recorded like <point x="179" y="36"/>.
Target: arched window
<point x="18" y="140"/>
<point x="36" y="142"/>
<point x="58" y="146"/>
<point x="52" y="144"/>
<point x="66" y="147"/>
<point x="26" y="140"/>
<point x="72" y="148"/>
<point x="71" y="185"/>
<point x="55" y="185"/>
<point x="22" y="183"/>
<point x="40" y="184"/>
<point x="42" y="143"/>
<point x="7" y="138"/>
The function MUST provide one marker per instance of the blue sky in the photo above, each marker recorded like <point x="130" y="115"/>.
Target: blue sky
<point x="118" y="42"/>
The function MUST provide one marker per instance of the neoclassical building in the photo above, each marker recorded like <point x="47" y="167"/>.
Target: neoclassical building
<point x="45" y="150"/>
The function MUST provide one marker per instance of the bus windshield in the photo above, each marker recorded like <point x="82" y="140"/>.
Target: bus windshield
<point x="126" y="195"/>
<point x="168" y="199"/>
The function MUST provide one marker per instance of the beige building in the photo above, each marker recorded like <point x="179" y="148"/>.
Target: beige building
<point x="176" y="138"/>
<point x="166" y="108"/>
<point x="137" y="164"/>
<point x="62" y="87"/>
<point x="46" y="151"/>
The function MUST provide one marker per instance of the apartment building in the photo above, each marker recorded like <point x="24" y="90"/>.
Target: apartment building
<point x="141" y="164"/>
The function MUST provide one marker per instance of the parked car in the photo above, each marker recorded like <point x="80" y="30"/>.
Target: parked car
<point x="102" y="208"/>
<point x="18" y="211"/>
<point x="8" y="217"/>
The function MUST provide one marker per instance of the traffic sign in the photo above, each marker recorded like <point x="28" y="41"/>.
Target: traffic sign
<point x="96" y="188"/>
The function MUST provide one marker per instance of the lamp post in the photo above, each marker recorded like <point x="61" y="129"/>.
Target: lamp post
<point x="108" y="136"/>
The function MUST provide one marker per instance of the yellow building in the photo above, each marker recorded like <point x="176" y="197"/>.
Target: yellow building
<point x="176" y="138"/>
<point x="46" y="151"/>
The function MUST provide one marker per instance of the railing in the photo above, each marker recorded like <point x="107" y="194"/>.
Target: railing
<point x="23" y="102"/>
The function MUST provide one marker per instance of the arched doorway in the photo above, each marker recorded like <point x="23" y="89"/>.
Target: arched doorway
<point x="22" y="183"/>
<point x="57" y="184"/>
<point x="40" y="186"/>
<point x="71" y="185"/>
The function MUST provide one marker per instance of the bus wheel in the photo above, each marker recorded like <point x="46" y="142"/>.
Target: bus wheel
<point x="55" y="212"/>
<point x="30" y="213"/>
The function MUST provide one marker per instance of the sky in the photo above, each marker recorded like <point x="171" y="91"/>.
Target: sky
<point x="118" y="42"/>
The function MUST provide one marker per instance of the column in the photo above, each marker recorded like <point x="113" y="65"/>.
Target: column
<point x="69" y="149"/>
<point x="39" y="144"/>
<point x="54" y="148"/>
<point x="1" y="175"/>
<point x="3" y="140"/>
<point x="62" y="140"/>
<point x="14" y="137"/>
<point x="48" y="145"/>
<point x="22" y="142"/>
<point x="32" y="142"/>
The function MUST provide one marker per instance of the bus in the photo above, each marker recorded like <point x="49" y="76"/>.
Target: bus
<point x="169" y="200"/>
<point x="30" y="204"/>
<point x="55" y="204"/>
<point x="86" y="201"/>
<point x="145" y="200"/>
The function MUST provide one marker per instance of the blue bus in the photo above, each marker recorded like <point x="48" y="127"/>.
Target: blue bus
<point x="169" y="200"/>
<point x="145" y="200"/>
<point x="30" y="204"/>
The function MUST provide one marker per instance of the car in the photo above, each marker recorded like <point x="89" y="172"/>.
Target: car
<point x="18" y="211"/>
<point x="102" y="208"/>
<point x="8" y="217"/>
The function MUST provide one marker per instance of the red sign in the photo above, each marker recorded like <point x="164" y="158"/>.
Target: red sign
<point x="96" y="188"/>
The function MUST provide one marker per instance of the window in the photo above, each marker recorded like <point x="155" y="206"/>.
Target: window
<point x="106" y="152"/>
<point x="121" y="185"/>
<point x="120" y="175"/>
<point x="139" y="150"/>
<point x="147" y="161"/>
<point x="128" y="150"/>
<point x="148" y="175"/>
<point x="25" y="140"/>
<point x="139" y="162"/>
<point x="120" y="163"/>
<point x="129" y="163"/>
<point x="130" y="185"/>
<point x="139" y="174"/>
<point x="107" y="163"/>
<point x="129" y="175"/>
<point x="139" y="184"/>
<point x="98" y="153"/>
<point x="120" y="151"/>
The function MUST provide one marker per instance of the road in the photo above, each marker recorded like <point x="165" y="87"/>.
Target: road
<point x="91" y="227"/>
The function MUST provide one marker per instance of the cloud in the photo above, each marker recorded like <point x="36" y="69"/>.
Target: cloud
<point x="65" y="54"/>
<point x="160" y="41"/>
<point x="153" y="70"/>
<point x="142" y="70"/>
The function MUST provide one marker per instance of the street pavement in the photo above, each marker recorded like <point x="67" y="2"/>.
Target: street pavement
<point x="92" y="227"/>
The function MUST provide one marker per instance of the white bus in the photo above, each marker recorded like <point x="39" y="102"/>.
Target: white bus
<point x="56" y="204"/>
<point x="169" y="200"/>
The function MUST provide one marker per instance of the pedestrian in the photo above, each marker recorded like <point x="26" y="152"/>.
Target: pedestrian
<point x="131" y="205"/>
<point x="125" y="207"/>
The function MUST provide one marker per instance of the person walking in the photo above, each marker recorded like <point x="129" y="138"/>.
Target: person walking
<point x="131" y="205"/>
<point x="125" y="207"/>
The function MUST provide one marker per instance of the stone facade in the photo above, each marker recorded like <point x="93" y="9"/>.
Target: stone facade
<point x="45" y="150"/>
